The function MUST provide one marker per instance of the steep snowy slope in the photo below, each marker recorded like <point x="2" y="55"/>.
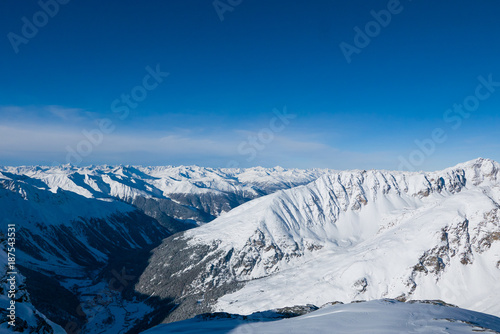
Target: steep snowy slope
<point x="27" y="318"/>
<point x="65" y="242"/>
<point x="382" y="316"/>
<point x="346" y="236"/>
<point x="178" y="197"/>
<point x="65" y="230"/>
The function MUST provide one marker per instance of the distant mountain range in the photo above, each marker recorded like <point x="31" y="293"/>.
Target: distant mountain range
<point x="161" y="244"/>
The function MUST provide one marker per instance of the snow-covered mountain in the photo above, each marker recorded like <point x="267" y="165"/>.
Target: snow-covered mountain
<point x="65" y="243"/>
<point x="380" y="316"/>
<point x="62" y="229"/>
<point x="248" y="240"/>
<point x="81" y="230"/>
<point x="346" y="236"/>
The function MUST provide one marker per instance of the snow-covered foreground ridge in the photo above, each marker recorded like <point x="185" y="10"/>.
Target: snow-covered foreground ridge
<point x="346" y="236"/>
<point x="382" y="316"/>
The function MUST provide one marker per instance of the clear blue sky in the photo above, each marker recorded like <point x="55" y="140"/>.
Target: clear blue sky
<point x="215" y="108"/>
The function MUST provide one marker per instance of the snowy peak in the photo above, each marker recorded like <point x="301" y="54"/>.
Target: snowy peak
<point x="183" y="196"/>
<point x="202" y="175"/>
<point x="481" y="170"/>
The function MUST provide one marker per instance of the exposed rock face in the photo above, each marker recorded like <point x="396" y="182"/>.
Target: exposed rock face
<point x="488" y="232"/>
<point x="360" y="285"/>
<point x="457" y="240"/>
<point x="454" y="241"/>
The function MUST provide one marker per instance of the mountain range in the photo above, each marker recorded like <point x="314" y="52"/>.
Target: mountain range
<point x="124" y="248"/>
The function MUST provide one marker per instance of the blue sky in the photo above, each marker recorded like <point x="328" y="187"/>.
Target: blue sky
<point x="229" y="79"/>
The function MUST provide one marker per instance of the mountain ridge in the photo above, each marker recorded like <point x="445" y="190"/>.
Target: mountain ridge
<point x="344" y="214"/>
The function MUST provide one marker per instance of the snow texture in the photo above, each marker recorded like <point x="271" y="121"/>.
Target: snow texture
<point x="381" y="316"/>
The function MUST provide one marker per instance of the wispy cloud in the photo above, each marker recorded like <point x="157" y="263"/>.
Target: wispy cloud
<point x="31" y="143"/>
<point x="45" y="115"/>
<point x="70" y="114"/>
<point x="46" y="135"/>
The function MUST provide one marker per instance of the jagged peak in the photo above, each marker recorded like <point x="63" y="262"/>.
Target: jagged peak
<point x="475" y="163"/>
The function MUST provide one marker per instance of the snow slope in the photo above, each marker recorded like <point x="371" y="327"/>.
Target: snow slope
<point x="346" y="236"/>
<point x="28" y="319"/>
<point x="62" y="229"/>
<point x="380" y="316"/>
<point x="64" y="242"/>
